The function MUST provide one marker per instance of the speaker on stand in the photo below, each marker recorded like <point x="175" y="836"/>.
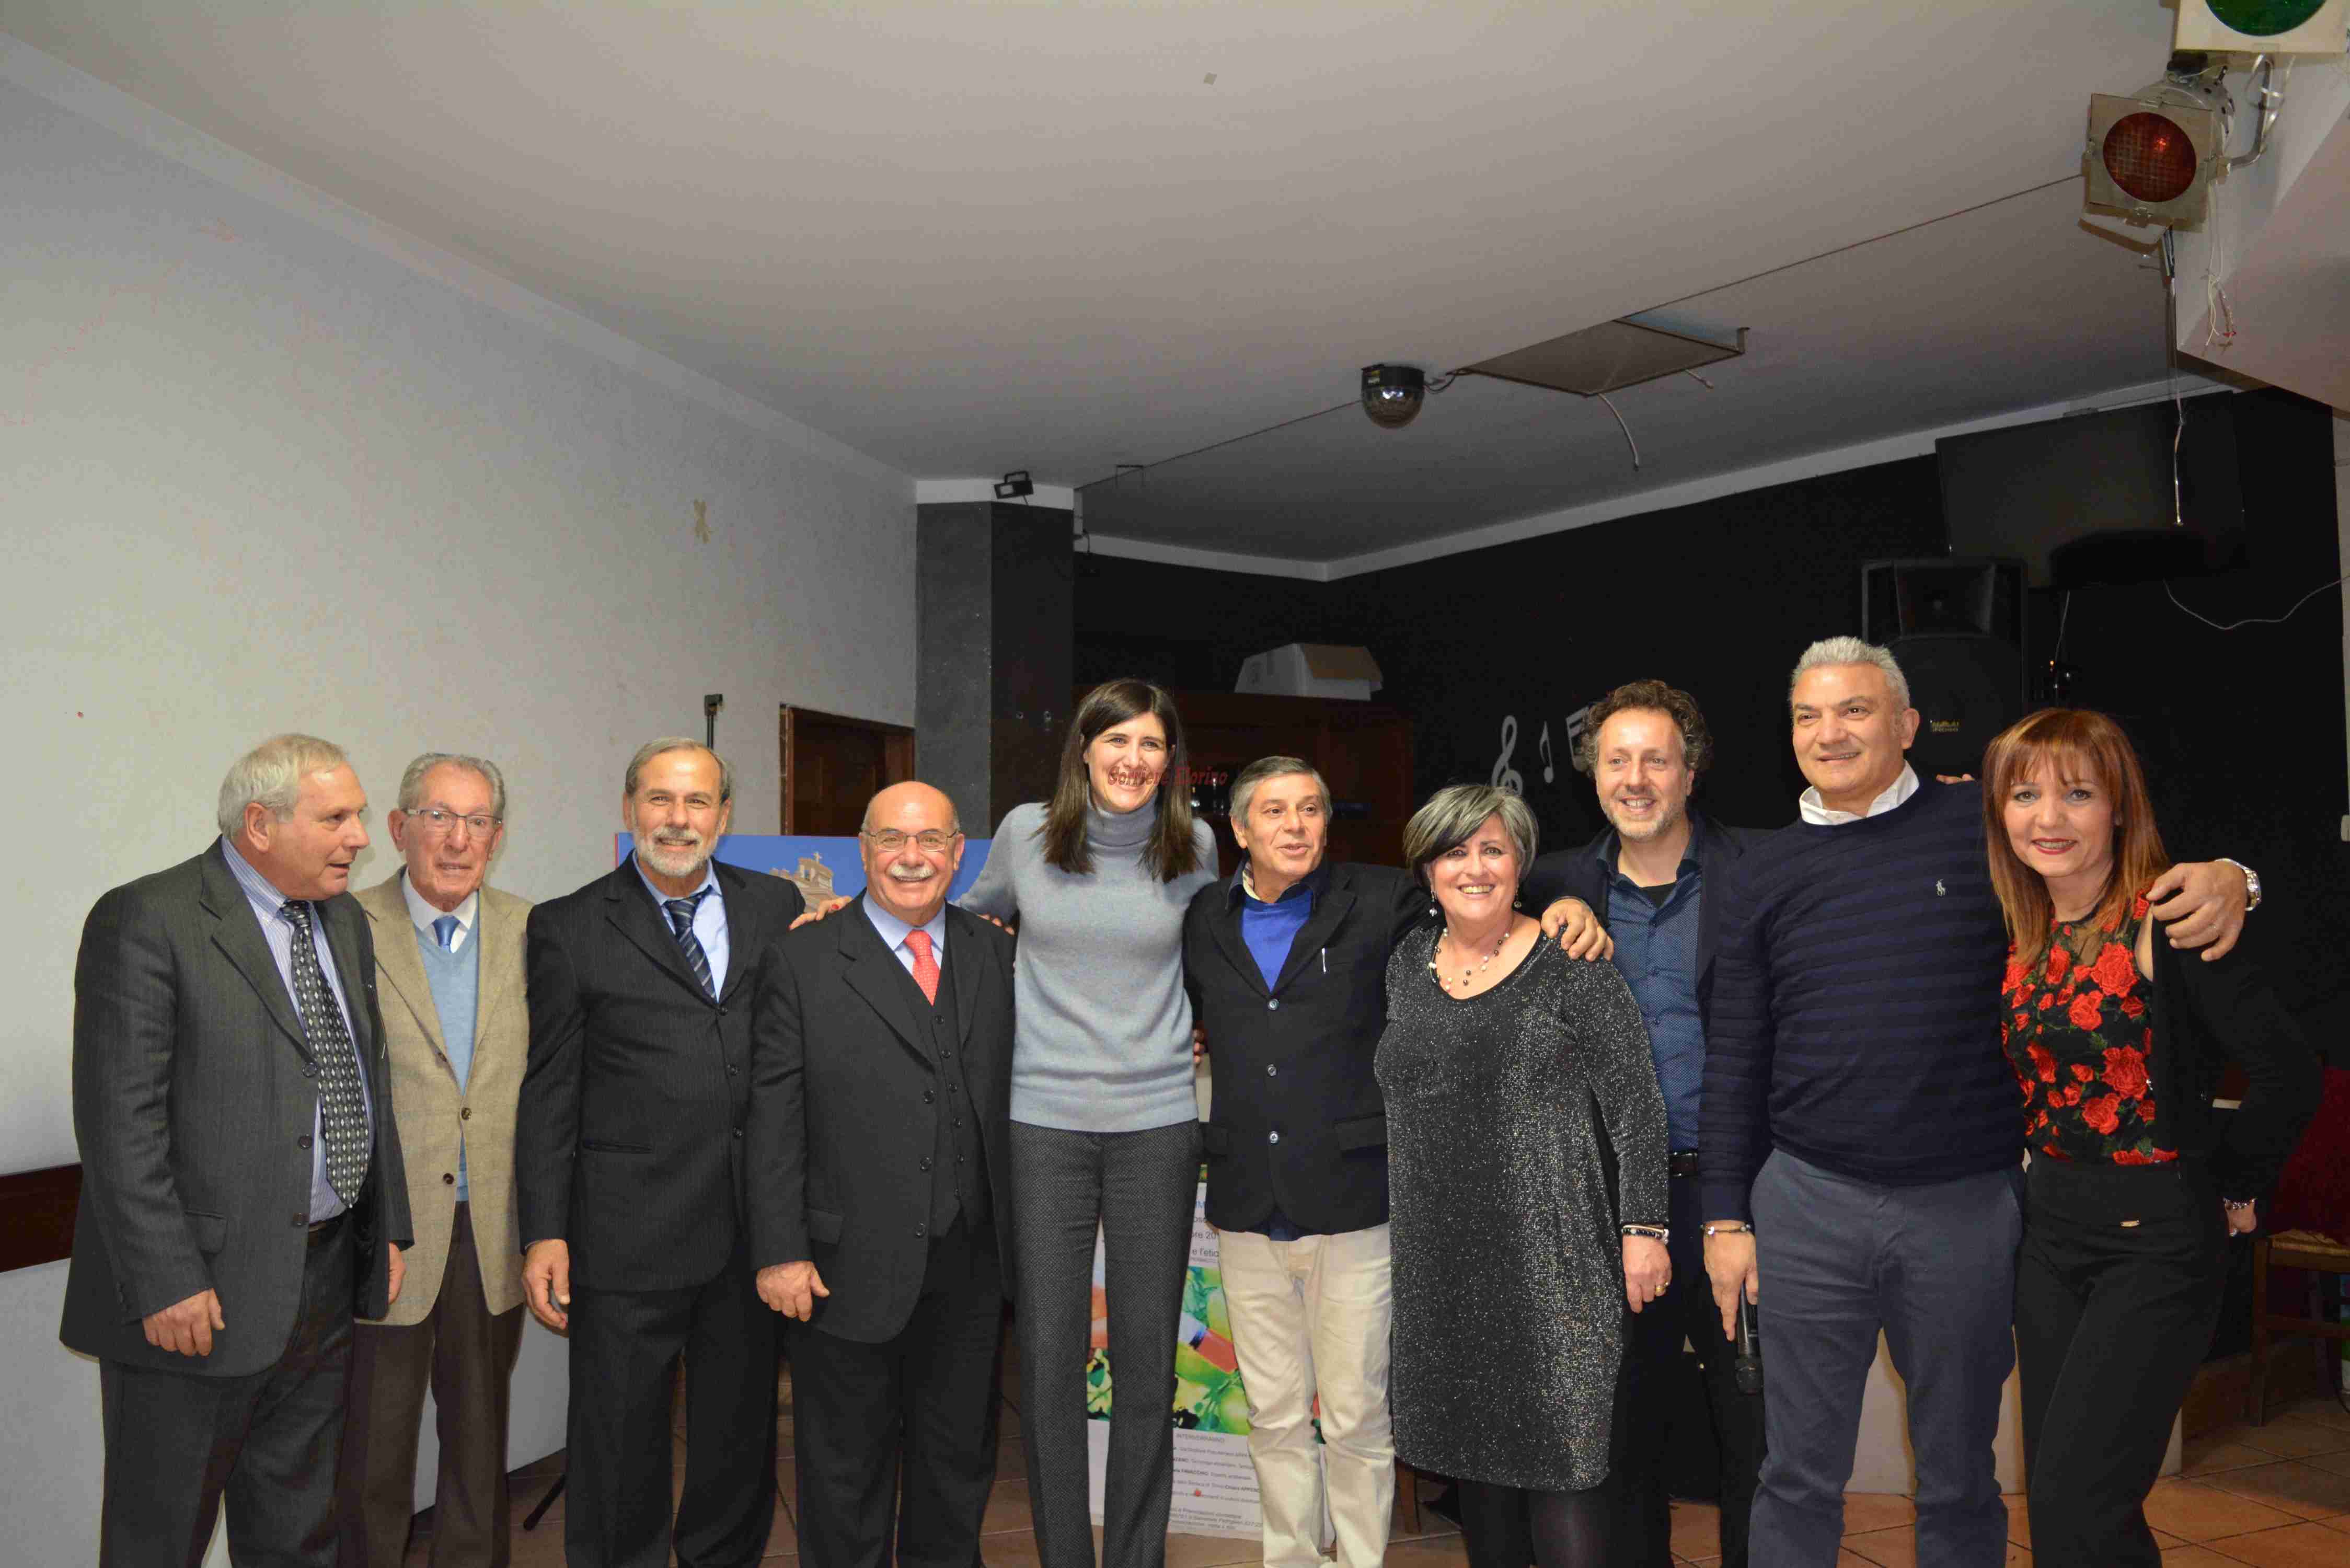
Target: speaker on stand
<point x="1956" y="626"/>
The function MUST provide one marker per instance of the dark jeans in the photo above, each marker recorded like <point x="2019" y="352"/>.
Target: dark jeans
<point x="1933" y="1268"/>
<point x="1652" y="1352"/>
<point x="2116" y="1293"/>
<point x="178" y="1442"/>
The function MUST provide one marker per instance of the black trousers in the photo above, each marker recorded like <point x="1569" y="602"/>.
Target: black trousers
<point x="1652" y="1351"/>
<point x="2116" y="1289"/>
<point x="625" y="1347"/>
<point x="923" y="1400"/>
<point x="177" y="1443"/>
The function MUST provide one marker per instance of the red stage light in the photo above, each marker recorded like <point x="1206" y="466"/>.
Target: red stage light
<point x="2150" y="157"/>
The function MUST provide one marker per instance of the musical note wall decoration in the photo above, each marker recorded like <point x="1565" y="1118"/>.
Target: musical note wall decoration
<point x="1504" y="775"/>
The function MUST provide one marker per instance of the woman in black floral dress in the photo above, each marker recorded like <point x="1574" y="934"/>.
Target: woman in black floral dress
<point x="2117" y="1041"/>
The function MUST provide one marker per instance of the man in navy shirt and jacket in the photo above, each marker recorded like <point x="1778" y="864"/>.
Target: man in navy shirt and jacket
<point x="1286" y="963"/>
<point x="1654" y="878"/>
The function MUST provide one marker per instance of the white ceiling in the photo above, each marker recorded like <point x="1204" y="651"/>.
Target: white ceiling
<point x="972" y="236"/>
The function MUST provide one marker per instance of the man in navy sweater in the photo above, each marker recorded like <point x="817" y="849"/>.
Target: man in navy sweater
<point x="1854" y="1040"/>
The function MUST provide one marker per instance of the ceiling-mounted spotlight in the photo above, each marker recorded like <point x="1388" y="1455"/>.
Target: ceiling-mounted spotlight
<point x="2151" y="159"/>
<point x="1013" y="485"/>
<point x="2264" y="27"/>
<point x="1392" y="395"/>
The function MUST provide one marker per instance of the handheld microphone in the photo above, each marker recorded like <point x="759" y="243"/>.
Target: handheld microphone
<point x="1747" y="1362"/>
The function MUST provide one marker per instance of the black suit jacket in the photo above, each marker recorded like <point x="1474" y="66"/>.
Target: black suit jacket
<point x="629" y="1144"/>
<point x="194" y="1113"/>
<point x="1295" y="1057"/>
<point x="1583" y="874"/>
<point x="845" y="1107"/>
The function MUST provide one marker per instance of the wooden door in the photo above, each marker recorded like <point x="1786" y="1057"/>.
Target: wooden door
<point x="833" y="764"/>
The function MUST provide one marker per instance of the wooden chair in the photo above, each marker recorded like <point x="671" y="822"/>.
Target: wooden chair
<point x="2292" y="1250"/>
<point x="2312" y="1209"/>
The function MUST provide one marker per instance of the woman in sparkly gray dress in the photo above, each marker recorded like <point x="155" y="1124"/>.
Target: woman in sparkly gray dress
<point x="1512" y="1270"/>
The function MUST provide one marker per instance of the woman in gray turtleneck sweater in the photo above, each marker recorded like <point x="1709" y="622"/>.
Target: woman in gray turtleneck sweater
<point x="1104" y="1126"/>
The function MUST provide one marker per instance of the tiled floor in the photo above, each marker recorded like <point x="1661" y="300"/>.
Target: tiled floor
<point x="2275" y="1497"/>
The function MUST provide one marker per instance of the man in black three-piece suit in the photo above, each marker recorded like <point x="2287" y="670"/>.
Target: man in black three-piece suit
<point x="881" y="1197"/>
<point x="628" y="1165"/>
<point x="243" y="1196"/>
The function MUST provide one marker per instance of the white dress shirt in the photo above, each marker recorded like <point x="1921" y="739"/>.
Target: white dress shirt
<point x="1817" y="812"/>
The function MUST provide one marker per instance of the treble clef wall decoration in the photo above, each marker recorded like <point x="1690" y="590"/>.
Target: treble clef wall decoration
<point x="1504" y="775"/>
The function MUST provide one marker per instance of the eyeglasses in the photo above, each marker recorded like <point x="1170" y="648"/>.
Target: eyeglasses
<point x="931" y="843"/>
<point x="440" y="823"/>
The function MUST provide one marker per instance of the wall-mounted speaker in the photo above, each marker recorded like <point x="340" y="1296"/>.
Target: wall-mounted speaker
<point x="1957" y="627"/>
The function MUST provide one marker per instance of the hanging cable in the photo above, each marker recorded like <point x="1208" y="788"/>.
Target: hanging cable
<point x="2258" y="619"/>
<point x="1628" y="428"/>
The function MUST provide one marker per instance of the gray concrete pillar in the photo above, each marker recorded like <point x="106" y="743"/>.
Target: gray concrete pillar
<point x="993" y="595"/>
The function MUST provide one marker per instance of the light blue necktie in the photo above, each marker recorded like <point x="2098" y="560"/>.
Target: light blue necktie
<point x="445" y="928"/>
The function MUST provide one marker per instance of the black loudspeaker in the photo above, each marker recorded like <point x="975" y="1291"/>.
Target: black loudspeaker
<point x="1957" y="627"/>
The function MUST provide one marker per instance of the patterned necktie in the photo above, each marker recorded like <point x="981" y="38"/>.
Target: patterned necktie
<point x="680" y="921"/>
<point x="445" y="928"/>
<point x="342" y="1110"/>
<point x="926" y="968"/>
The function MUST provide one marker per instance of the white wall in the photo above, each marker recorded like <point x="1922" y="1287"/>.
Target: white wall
<point x="264" y="465"/>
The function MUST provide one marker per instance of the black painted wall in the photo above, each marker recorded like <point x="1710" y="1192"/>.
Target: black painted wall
<point x="2242" y="732"/>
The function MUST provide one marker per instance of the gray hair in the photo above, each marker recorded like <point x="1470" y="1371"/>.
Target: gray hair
<point x="1244" y="783"/>
<point x="1452" y="817"/>
<point x="412" y="783"/>
<point x="666" y="745"/>
<point x="1830" y="651"/>
<point x="270" y="776"/>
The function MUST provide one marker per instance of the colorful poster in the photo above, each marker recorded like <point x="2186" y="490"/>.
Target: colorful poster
<point x="819" y="867"/>
<point x="1215" y="1485"/>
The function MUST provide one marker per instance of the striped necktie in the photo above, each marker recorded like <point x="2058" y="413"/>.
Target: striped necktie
<point x="680" y="921"/>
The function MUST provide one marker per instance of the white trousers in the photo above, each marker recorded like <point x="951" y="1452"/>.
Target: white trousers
<point x="1310" y="1318"/>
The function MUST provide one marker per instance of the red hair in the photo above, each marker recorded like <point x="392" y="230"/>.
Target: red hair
<point x="2081" y="745"/>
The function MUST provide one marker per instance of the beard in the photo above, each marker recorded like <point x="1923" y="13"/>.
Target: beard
<point x="1640" y="831"/>
<point x="674" y="858"/>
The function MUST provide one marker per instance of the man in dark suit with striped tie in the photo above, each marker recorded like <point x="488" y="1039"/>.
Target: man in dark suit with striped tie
<point x="628" y="1167"/>
<point x="243" y="1195"/>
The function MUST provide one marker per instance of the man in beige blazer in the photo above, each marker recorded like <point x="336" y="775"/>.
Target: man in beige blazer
<point x="450" y="958"/>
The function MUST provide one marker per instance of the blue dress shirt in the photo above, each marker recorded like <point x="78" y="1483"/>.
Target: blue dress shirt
<point x="1655" y="952"/>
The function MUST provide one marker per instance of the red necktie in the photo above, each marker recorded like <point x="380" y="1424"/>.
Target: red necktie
<point x="926" y="968"/>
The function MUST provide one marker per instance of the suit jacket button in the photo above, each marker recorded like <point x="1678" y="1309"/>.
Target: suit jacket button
<point x="1273" y="1137"/>
<point x="738" y="1132"/>
<point x="1270" y="1071"/>
<point x="465" y="1114"/>
<point x="305" y="1140"/>
<point x="927" y="1097"/>
<point x="309" y="1069"/>
<point x="301" y="1219"/>
<point x="1272" y="1004"/>
<point x="447" y="1179"/>
<point x="925" y="1165"/>
<point x="921" y="1230"/>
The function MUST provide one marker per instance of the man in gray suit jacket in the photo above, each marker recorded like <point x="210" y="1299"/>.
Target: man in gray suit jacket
<point x="448" y="951"/>
<point x="243" y="1195"/>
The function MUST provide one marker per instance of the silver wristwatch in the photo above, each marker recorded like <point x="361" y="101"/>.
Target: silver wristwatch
<point x="2251" y="883"/>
